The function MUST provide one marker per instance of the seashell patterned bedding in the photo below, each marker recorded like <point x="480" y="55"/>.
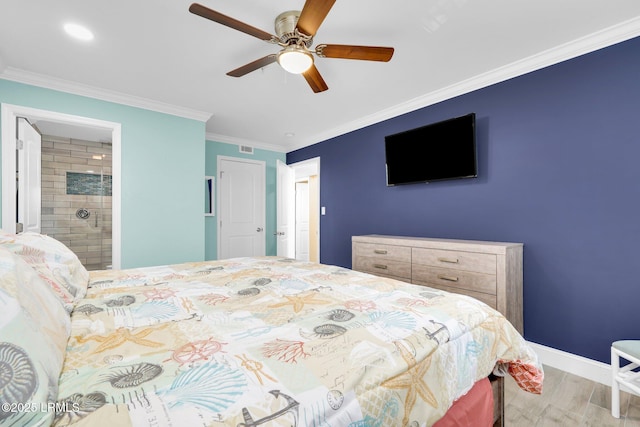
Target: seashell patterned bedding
<point x="240" y="342"/>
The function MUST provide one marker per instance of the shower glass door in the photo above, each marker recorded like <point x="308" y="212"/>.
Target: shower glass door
<point x="76" y="197"/>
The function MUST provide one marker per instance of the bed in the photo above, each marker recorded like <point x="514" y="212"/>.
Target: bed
<point x="241" y="342"/>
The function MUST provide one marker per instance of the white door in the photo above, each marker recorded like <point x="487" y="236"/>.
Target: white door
<point x="285" y="194"/>
<point x="29" y="186"/>
<point x="241" y="208"/>
<point x="302" y="221"/>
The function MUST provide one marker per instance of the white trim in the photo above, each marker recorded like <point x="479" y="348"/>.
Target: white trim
<point x="9" y="136"/>
<point x="601" y="39"/>
<point x="41" y="80"/>
<point x="574" y="364"/>
<point x="8" y="116"/>
<point x="316" y="162"/>
<point x="598" y="40"/>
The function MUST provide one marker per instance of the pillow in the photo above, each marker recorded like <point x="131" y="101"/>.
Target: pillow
<point x="34" y="330"/>
<point x="56" y="264"/>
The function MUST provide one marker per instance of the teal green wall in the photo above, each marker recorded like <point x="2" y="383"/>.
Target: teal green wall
<point x="162" y="172"/>
<point x="215" y="149"/>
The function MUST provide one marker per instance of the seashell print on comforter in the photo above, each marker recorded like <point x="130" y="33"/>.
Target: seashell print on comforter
<point x="273" y="341"/>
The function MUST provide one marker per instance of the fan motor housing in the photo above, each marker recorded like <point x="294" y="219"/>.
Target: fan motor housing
<point x="285" y="27"/>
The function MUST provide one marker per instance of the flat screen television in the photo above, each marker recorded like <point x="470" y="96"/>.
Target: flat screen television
<point x="439" y="151"/>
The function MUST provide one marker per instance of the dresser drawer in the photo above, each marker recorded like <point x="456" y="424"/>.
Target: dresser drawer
<point x="490" y="300"/>
<point x="488" y="271"/>
<point x="383" y="267"/>
<point x="457" y="279"/>
<point x="459" y="260"/>
<point x="383" y="252"/>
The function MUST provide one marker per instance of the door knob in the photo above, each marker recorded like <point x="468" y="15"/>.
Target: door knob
<point x="259" y="229"/>
<point x="279" y="233"/>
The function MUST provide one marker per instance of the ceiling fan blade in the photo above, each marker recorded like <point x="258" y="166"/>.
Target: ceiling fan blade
<point x="315" y="80"/>
<point x="344" y="51"/>
<point x="218" y="17"/>
<point x="312" y="15"/>
<point x="252" y="66"/>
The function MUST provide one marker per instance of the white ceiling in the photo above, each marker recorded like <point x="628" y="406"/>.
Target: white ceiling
<point x="155" y="54"/>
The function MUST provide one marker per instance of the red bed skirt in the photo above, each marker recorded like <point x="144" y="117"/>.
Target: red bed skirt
<point x="473" y="409"/>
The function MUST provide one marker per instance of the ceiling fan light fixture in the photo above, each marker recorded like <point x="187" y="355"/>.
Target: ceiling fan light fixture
<point x="295" y="59"/>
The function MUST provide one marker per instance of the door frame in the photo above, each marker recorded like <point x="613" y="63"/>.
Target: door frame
<point x="314" y="164"/>
<point x="219" y="201"/>
<point x="302" y="209"/>
<point x="29" y="176"/>
<point x="286" y="237"/>
<point x="9" y="113"/>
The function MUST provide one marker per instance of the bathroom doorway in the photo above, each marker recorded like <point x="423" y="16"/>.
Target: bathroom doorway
<point x="80" y="182"/>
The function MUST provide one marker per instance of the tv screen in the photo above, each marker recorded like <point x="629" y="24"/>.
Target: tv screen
<point x="435" y="152"/>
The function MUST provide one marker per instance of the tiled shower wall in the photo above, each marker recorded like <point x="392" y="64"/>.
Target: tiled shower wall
<point x="89" y="238"/>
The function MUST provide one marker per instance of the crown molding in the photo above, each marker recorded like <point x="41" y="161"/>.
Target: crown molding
<point x="601" y="39"/>
<point x="48" y="82"/>
<point x="598" y="40"/>
<point x="214" y="137"/>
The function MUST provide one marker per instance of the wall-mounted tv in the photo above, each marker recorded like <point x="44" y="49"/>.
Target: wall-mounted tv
<point x="435" y="152"/>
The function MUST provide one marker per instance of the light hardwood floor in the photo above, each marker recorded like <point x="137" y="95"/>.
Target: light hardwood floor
<point x="567" y="400"/>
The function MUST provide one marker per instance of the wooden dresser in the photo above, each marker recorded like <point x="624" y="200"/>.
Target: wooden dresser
<point x="488" y="271"/>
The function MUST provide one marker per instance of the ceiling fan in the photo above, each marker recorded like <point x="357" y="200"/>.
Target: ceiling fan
<point x="295" y="31"/>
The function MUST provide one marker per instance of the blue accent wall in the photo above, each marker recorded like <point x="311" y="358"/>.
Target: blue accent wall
<point x="559" y="157"/>
<point x="215" y="149"/>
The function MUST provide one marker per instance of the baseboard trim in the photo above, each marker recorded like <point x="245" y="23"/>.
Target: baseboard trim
<point x="574" y="364"/>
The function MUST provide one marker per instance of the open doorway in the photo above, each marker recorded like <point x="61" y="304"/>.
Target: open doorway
<point x="307" y="216"/>
<point x="72" y="134"/>
<point x="76" y="188"/>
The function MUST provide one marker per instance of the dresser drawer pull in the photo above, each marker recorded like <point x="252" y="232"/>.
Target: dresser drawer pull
<point x="380" y="266"/>
<point x="449" y="260"/>
<point x="447" y="278"/>
<point x="380" y="251"/>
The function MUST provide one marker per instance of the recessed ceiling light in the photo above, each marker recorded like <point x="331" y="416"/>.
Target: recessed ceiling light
<point x="78" y="32"/>
<point x="289" y="134"/>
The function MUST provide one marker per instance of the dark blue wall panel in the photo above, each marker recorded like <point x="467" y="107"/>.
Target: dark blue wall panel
<point x="559" y="153"/>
